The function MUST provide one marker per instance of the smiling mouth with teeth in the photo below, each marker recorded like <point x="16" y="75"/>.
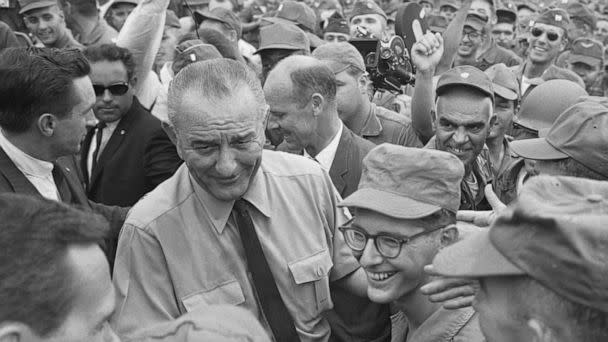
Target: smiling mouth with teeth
<point x="380" y="276"/>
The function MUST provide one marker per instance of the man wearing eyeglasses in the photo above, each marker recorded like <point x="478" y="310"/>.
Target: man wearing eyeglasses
<point x="405" y="211"/>
<point x="127" y="154"/>
<point x="548" y="37"/>
<point x="478" y="48"/>
<point x="374" y="123"/>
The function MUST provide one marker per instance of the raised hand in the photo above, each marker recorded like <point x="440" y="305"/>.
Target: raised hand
<point x="427" y="52"/>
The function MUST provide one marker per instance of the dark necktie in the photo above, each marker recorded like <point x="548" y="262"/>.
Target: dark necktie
<point x="98" y="135"/>
<point x="61" y="184"/>
<point x="274" y="308"/>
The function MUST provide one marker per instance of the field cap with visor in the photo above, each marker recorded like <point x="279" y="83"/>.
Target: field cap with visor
<point x="363" y="7"/>
<point x="555" y="233"/>
<point x="580" y="133"/>
<point x="283" y="36"/>
<point x="555" y="17"/>
<point x="588" y="51"/>
<point x="504" y="81"/>
<point x="476" y="21"/>
<point x="298" y="13"/>
<point x="408" y="183"/>
<point x="221" y="15"/>
<point x="465" y="76"/>
<point x="28" y="5"/>
<point x="339" y="56"/>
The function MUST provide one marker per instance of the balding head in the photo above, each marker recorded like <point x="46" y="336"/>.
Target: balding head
<point x="216" y="82"/>
<point x="303" y="76"/>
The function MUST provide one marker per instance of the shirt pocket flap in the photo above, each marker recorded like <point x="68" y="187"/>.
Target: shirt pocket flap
<point x="311" y="268"/>
<point x="227" y="293"/>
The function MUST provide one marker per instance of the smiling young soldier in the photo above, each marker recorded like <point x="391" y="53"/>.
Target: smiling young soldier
<point x="548" y="37"/>
<point x="45" y="20"/>
<point x="542" y="265"/>
<point x="405" y="210"/>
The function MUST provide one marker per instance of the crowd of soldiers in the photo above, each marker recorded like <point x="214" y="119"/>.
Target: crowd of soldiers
<point x="229" y="170"/>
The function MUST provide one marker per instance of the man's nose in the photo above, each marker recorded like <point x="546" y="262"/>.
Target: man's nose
<point x="460" y="137"/>
<point x="370" y="255"/>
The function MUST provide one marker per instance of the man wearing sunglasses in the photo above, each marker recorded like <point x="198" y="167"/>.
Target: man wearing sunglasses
<point x="127" y="154"/>
<point x="405" y="211"/>
<point x="548" y="37"/>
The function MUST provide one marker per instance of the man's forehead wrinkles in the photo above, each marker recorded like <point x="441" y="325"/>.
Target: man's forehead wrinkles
<point x="225" y="124"/>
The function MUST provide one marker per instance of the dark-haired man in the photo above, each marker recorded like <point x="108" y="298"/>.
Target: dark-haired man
<point x="55" y="279"/>
<point x="128" y="154"/>
<point x="45" y="20"/>
<point x="45" y="98"/>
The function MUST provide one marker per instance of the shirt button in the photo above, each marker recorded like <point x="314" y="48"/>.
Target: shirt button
<point x="320" y="271"/>
<point x="594" y="198"/>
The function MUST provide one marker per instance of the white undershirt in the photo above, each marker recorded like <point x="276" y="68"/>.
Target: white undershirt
<point x="525" y="84"/>
<point x="107" y="133"/>
<point x="326" y="156"/>
<point x="38" y="172"/>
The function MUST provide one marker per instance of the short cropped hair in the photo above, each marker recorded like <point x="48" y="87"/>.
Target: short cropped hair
<point x="37" y="81"/>
<point x="112" y="53"/>
<point x="533" y="299"/>
<point x="572" y="168"/>
<point x="313" y="79"/>
<point x="214" y="80"/>
<point x="36" y="287"/>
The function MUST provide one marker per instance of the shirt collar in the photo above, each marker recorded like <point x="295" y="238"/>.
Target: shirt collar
<point x="24" y="162"/>
<point x="219" y="211"/>
<point x="372" y="126"/>
<point x="442" y="325"/>
<point x="326" y="156"/>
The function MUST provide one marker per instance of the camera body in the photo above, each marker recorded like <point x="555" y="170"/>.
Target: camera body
<point x="387" y="61"/>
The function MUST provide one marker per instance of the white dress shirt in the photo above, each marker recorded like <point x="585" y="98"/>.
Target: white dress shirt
<point x="38" y="172"/>
<point x="326" y="156"/>
<point x="106" y="134"/>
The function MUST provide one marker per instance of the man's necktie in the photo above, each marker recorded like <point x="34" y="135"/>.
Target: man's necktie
<point x="98" y="136"/>
<point x="279" y="319"/>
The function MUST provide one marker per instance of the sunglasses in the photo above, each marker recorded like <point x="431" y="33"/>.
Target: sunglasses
<point x="537" y="32"/>
<point x="115" y="89"/>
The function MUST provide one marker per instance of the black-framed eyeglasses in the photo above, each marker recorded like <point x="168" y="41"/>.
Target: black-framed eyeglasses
<point x="387" y="245"/>
<point x="537" y="32"/>
<point x="116" y="89"/>
<point x="472" y="34"/>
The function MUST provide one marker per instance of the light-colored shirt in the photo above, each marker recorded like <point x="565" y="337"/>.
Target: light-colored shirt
<point x="38" y="172"/>
<point x="180" y="249"/>
<point x="327" y="155"/>
<point x="105" y="137"/>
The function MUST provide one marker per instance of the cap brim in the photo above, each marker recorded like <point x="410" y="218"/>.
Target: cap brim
<point x="278" y="46"/>
<point x="474" y="257"/>
<point x="389" y="204"/>
<point x="538" y="149"/>
<point x="474" y="26"/>
<point x="36" y="5"/>
<point x="504" y="92"/>
<point x="584" y="59"/>
<point x="200" y="17"/>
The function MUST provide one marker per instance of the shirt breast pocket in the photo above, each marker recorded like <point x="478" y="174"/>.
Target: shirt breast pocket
<point x="314" y="271"/>
<point x="229" y="293"/>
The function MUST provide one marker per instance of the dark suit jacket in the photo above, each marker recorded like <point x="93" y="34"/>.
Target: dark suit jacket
<point x="137" y="157"/>
<point x="354" y="318"/>
<point x="345" y="171"/>
<point x="72" y="191"/>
